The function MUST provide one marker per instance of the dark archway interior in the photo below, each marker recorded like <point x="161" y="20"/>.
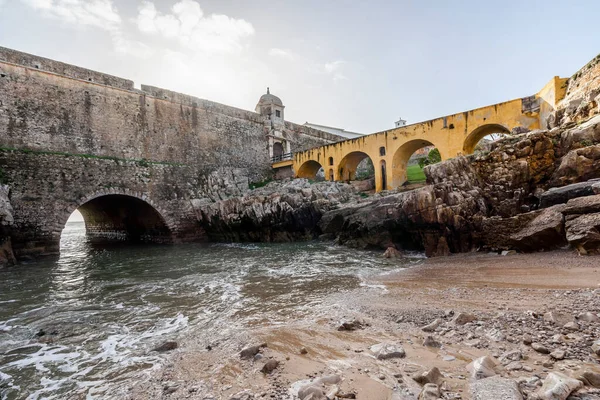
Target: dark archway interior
<point x="123" y="218"/>
<point x="277" y="149"/>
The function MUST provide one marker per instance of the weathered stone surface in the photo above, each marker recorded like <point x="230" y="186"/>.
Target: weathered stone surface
<point x="557" y="386"/>
<point x="384" y="351"/>
<point x="6" y="221"/>
<point x="464" y="318"/>
<point x="545" y="231"/>
<point x="278" y="212"/>
<point x="583" y="233"/>
<point x="432" y="376"/>
<point x="483" y="367"/>
<point x="430" y="392"/>
<point x="495" y="388"/>
<point x="590" y="378"/>
<point x="270" y="366"/>
<point x="251" y="351"/>
<point x="561" y="195"/>
<point x="558" y="318"/>
<point x="432" y="326"/>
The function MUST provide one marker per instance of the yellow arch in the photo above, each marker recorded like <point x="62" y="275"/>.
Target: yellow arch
<point x="309" y="169"/>
<point x="347" y="166"/>
<point x="400" y="160"/>
<point x="479" y="133"/>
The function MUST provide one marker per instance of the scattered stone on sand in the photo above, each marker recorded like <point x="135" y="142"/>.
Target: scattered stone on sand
<point x="558" y="354"/>
<point x="430" y="392"/>
<point x="510" y="356"/>
<point x="483" y="367"/>
<point x="432" y="376"/>
<point x="540" y="348"/>
<point x="166" y="346"/>
<point x="431" y="342"/>
<point x="350" y="325"/>
<point x="432" y="326"/>
<point x="590" y="378"/>
<point x="463" y="318"/>
<point x="250" y="352"/>
<point x="270" y="366"/>
<point x="596" y="347"/>
<point x="558" y="318"/>
<point x="384" y="351"/>
<point x="495" y="388"/>
<point x="588" y="317"/>
<point x="303" y="350"/>
<point x="557" y="386"/>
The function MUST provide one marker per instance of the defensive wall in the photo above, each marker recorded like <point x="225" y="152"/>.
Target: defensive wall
<point x="74" y="138"/>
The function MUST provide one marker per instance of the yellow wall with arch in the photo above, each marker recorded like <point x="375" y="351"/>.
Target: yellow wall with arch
<point x="452" y="135"/>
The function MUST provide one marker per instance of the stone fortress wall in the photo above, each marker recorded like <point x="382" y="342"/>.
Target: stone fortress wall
<point x="70" y="136"/>
<point x="51" y="106"/>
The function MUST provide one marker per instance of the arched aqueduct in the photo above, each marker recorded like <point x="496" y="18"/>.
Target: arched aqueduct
<point x="452" y="135"/>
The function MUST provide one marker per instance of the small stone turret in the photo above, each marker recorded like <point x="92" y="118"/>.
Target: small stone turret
<point x="271" y="107"/>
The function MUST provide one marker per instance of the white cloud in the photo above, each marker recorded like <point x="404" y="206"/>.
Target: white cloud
<point x="98" y="13"/>
<point x="334" y="68"/>
<point x="282" y="53"/>
<point x="191" y="28"/>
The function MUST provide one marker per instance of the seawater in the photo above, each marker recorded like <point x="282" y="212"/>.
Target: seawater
<point x="87" y="322"/>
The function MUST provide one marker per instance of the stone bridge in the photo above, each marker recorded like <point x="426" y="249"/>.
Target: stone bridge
<point x="452" y="135"/>
<point x="136" y="162"/>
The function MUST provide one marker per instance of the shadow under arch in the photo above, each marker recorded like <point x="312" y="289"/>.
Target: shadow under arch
<point x="117" y="217"/>
<point x="348" y="165"/>
<point x="479" y="133"/>
<point x="309" y="170"/>
<point x="400" y="160"/>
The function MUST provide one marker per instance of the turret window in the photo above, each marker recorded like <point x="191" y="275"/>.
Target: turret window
<point x="278" y="113"/>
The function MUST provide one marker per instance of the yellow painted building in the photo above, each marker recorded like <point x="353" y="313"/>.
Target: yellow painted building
<point x="452" y="135"/>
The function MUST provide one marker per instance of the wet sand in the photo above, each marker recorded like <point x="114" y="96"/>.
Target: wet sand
<point x="501" y="291"/>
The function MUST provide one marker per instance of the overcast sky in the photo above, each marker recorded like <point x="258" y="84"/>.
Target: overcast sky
<point x="358" y="65"/>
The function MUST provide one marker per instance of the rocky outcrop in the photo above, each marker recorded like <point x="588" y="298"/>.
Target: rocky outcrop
<point x="278" y="212"/>
<point x="6" y="220"/>
<point x="512" y="197"/>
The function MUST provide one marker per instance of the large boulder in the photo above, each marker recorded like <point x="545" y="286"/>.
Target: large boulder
<point x="560" y="195"/>
<point x="495" y="388"/>
<point x="583" y="233"/>
<point x="557" y="386"/>
<point x="583" y="224"/>
<point x="545" y="231"/>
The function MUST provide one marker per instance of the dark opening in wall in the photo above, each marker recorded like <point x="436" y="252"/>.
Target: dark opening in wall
<point x="382" y="151"/>
<point x="330" y="160"/>
<point x="278" y="113"/>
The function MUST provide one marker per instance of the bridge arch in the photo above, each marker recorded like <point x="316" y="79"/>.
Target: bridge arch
<point x="348" y="165"/>
<point x="400" y="160"/>
<point x="122" y="216"/>
<point x="309" y="169"/>
<point x="479" y="133"/>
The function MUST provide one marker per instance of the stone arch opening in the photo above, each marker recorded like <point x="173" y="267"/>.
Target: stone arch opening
<point x="309" y="170"/>
<point x="123" y="218"/>
<point x="356" y="165"/>
<point x="475" y="137"/>
<point x="405" y="159"/>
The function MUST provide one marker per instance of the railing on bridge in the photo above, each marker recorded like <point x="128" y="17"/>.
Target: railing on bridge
<point x="283" y="157"/>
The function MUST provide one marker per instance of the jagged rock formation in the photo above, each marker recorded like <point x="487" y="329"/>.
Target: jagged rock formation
<point x="6" y="220"/>
<point x="504" y="199"/>
<point x="279" y="212"/>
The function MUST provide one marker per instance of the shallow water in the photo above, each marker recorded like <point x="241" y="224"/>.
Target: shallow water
<point x="87" y="323"/>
